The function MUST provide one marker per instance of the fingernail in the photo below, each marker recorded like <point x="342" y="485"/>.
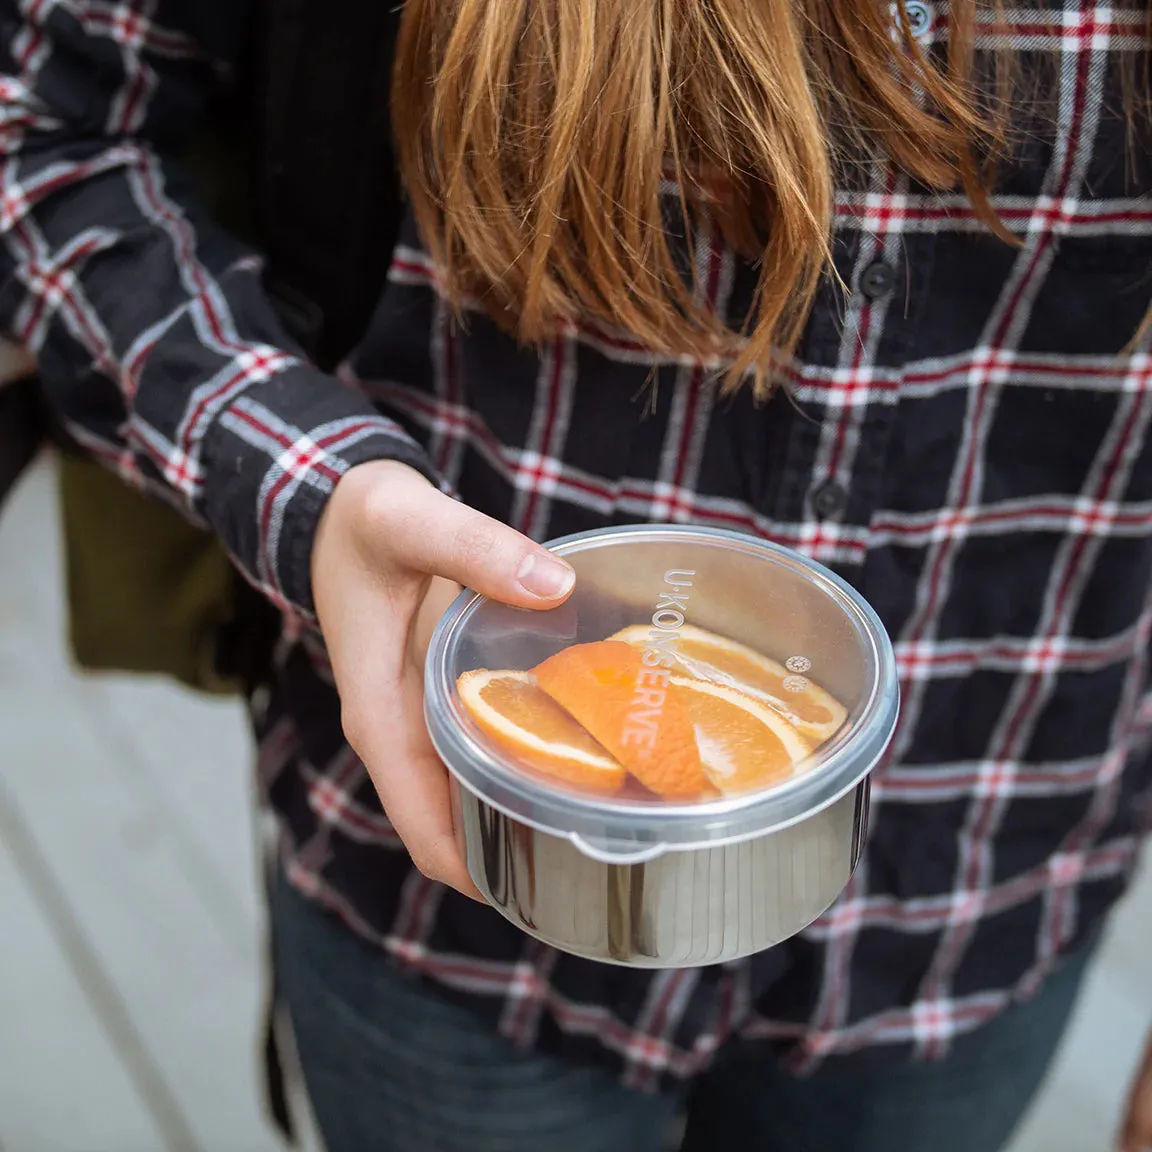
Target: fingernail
<point x="545" y="576"/>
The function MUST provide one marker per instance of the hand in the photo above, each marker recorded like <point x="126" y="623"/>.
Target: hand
<point x="385" y="534"/>
<point x="1136" y="1131"/>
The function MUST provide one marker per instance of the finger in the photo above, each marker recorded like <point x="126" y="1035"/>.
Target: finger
<point x="437" y="600"/>
<point x="440" y="536"/>
<point x="381" y="695"/>
<point x="413" y="787"/>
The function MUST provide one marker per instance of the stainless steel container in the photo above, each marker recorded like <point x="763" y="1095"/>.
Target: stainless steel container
<point x="635" y="880"/>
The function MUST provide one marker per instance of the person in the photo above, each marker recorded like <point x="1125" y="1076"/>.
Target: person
<point x="867" y="280"/>
<point x="1136" y="1131"/>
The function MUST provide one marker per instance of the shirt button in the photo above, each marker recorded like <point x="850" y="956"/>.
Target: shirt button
<point x="920" y="17"/>
<point x="829" y="499"/>
<point x="877" y="280"/>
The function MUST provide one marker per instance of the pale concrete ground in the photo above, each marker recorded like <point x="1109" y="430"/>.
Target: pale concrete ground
<point x="129" y="918"/>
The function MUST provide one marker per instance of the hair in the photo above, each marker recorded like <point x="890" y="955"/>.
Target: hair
<point x="538" y="140"/>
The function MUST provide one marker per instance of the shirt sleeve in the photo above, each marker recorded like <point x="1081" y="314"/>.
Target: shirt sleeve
<point x="152" y="333"/>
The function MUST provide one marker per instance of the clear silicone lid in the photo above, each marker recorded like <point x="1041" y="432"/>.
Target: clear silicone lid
<point x="698" y="687"/>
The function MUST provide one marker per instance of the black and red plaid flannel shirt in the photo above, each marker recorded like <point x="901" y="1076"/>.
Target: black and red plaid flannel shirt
<point x="967" y="442"/>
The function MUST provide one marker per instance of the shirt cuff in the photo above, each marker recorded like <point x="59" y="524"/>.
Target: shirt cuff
<point x="274" y="456"/>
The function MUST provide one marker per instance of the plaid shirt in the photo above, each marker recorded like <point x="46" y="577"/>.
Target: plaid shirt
<point x="966" y="442"/>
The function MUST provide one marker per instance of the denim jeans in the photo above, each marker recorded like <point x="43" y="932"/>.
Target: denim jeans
<point x="390" y="1067"/>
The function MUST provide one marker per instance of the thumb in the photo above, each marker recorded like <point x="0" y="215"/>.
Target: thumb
<point x="442" y="537"/>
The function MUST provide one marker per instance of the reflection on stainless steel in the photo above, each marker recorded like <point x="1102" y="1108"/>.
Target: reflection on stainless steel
<point x="660" y="886"/>
<point x="686" y="908"/>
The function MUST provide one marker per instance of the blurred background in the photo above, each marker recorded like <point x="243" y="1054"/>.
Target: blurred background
<point x="130" y="933"/>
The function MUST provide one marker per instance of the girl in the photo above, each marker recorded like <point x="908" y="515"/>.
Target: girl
<point x="868" y="280"/>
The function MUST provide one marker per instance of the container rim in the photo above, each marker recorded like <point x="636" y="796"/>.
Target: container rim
<point x="626" y="830"/>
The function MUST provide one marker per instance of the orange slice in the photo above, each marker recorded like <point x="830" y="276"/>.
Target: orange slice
<point x="714" y="659"/>
<point x="526" y="722"/>
<point x="744" y="745"/>
<point x="628" y="708"/>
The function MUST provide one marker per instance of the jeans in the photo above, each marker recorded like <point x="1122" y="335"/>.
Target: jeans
<point x="390" y="1067"/>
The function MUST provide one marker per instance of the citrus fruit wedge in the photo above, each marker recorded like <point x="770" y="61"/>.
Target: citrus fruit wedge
<point x="628" y="708"/>
<point x="744" y="745"/>
<point x="702" y="655"/>
<point x="517" y="715"/>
